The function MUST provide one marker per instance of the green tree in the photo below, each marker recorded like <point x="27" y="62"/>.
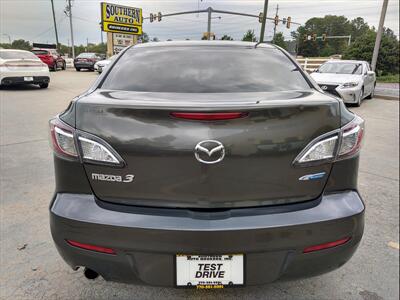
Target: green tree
<point x="388" y="59"/>
<point x="17" y="44"/>
<point x="145" y="37"/>
<point x="249" y="36"/>
<point x="279" y="40"/>
<point x="226" y="37"/>
<point x="332" y="26"/>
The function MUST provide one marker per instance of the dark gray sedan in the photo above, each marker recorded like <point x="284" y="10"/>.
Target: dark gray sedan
<point x="207" y="165"/>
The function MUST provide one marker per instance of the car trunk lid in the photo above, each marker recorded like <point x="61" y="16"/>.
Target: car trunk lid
<point x="159" y="148"/>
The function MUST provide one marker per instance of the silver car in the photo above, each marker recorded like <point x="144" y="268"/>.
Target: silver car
<point x="350" y="80"/>
<point x="102" y="64"/>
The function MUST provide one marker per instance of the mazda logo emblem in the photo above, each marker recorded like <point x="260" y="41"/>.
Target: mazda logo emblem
<point x="209" y="152"/>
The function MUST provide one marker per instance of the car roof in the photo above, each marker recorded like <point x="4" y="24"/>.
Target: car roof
<point x="238" y="44"/>
<point x="334" y="61"/>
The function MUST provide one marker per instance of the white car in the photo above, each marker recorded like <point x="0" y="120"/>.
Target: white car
<point x="22" y="67"/>
<point x="350" y="80"/>
<point x="100" y="65"/>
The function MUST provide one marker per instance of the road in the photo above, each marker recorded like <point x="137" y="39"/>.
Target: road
<point x="32" y="269"/>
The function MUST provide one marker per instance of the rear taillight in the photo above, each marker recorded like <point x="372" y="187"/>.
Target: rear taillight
<point x="339" y="144"/>
<point x="70" y="143"/>
<point x="352" y="136"/>
<point x="209" y="116"/>
<point x="62" y="138"/>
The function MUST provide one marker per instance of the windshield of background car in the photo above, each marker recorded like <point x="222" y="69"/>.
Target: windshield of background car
<point x="17" y="55"/>
<point x="204" y="69"/>
<point x="86" y="55"/>
<point x="40" y="52"/>
<point x="341" y="68"/>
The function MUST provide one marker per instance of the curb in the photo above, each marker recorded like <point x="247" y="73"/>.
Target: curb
<point x="387" y="97"/>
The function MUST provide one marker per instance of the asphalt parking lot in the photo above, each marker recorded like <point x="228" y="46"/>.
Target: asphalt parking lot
<point x="32" y="269"/>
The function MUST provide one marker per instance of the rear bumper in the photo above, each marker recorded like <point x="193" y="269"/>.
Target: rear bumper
<point x="21" y="80"/>
<point x="84" y="65"/>
<point x="146" y="243"/>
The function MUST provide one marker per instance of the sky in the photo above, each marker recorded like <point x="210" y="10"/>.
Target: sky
<point x="32" y="19"/>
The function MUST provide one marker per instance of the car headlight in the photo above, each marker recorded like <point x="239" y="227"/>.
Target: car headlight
<point x="349" y="85"/>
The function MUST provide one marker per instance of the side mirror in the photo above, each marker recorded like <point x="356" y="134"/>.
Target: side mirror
<point x="370" y="73"/>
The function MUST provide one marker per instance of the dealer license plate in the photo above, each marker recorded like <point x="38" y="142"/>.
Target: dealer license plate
<point x="209" y="271"/>
<point x="28" y="78"/>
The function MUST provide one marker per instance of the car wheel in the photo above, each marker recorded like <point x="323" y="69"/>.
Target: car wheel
<point x="78" y="69"/>
<point x="54" y="67"/>
<point x="43" y="85"/>
<point x="359" y="100"/>
<point x="372" y="92"/>
<point x="64" y="66"/>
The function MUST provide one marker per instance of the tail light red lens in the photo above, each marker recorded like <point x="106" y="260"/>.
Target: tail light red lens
<point x="326" y="245"/>
<point x="92" y="247"/>
<point x="209" y="116"/>
<point x="352" y="136"/>
<point x="62" y="138"/>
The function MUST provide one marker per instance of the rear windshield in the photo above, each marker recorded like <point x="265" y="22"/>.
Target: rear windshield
<point x="204" y="69"/>
<point x="40" y="52"/>
<point x="341" y="68"/>
<point x="86" y="55"/>
<point x="17" y="55"/>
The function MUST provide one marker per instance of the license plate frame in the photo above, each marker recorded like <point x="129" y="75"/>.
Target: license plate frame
<point x="28" y="78"/>
<point x="190" y="261"/>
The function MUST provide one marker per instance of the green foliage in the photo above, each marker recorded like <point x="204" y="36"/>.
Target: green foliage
<point x="388" y="59"/>
<point x="145" y="37"/>
<point x="17" y="44"/>
<point x="279" y="40"/>
<point x="332" y="26"/>
<point x="226" y="38"/>
<point x="392" y="78"/>
<point x="249" y="36"/>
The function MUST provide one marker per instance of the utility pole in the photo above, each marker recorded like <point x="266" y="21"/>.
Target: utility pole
<point x="276" y="16"/>
<point x="55" y="24"/>
<point x="68" y="12"/>
<point x="379" y="35"/>
<point x="209" y="11"/>
<point x="263" y="21"/>
<point x="87" y="44"/>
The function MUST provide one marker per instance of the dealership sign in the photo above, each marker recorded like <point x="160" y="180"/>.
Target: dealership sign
<point x="121" y="19"/>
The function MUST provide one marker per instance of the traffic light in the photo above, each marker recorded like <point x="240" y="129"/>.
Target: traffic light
<point x="288" y="22"/>
<point x="159" y="16"/>
<point x="151" y="18"/>
<point x="324" y="37"/>
<point x="260" y="17"/>
<point x="314" y="37"/>
<point x="276" y="20"/>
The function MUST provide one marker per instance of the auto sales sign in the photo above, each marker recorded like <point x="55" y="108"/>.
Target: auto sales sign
<point x="121" y="19"/>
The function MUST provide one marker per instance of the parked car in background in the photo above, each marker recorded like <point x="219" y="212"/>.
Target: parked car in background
<point x="101" y="64"/>
<point x="186" y="173"/>
<point x="51" y="57"/>
<point x="350" y="80"/>
<point x="86" y="60"/>
<point x="22" y="67"/>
